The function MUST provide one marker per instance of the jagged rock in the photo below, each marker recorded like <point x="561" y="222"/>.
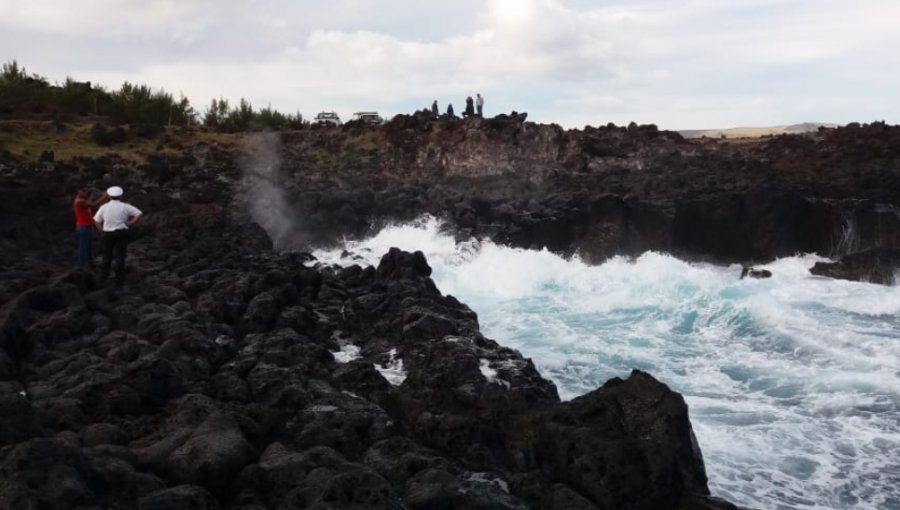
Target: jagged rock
<point x="354" y="487"/>
<point x="396" y="264"/>
<point x="54" y="474"/>
<point x="752" y="272"/>
<point x="217" y="346"/>
<point x="214" y="452"/>
<point x="438" y="489"/>
<point x="878" y="265"/>
<point x="600" y="444"/>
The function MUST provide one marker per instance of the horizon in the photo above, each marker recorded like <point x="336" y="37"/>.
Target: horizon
<point x="694" y="66"/>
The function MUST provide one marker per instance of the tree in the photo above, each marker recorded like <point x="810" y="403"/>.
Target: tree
<point x="12" y="73"/>
<point x="241" y="117"/>
<point x="20" y="92"/>
<point x="217" y="113"/>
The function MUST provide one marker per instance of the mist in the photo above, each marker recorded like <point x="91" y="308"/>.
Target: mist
<point x="260" y="163"/>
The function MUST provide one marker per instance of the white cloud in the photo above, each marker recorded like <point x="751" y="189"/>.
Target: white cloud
<point x="694" y="63"/>
<point x="112" y="19"/>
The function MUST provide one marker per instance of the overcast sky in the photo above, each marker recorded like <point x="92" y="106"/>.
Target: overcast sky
<point x="679" y="64"/>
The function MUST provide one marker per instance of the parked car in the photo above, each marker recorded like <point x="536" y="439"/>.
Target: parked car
<point x="327" y="119"/>
<point x="369" y="117"/>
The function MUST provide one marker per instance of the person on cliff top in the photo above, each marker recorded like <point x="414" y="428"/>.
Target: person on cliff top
<point x="479" y="104"/>
<point x="434" y="109"/>
<point x="114" y="220"/>
<point x="470" y="108"/>
<point x="84" y="224"/>
<point x="450" y="113"/>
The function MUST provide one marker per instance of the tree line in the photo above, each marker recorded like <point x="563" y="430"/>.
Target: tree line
<point x="28" y="94"/>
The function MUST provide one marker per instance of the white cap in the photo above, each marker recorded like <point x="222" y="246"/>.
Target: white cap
<point x="115" y="191"/>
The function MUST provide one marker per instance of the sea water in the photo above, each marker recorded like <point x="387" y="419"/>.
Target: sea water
<point x="793" y="382"/>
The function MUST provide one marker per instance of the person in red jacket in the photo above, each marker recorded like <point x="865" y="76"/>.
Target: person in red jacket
<point x="84" y="224"/>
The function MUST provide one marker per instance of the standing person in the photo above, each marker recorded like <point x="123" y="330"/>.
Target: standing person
<point x="114" y="219"/>
<point x="450" y="113"/>
<point x="84" y="225"/>
<point x="434" y="109"/>
<point x="470" y="109"/>
<point x="479" y="104"/>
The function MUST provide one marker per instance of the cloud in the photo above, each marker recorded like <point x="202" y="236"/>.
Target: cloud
<point x="694" y="63"/>
<point x="114" y="19"/>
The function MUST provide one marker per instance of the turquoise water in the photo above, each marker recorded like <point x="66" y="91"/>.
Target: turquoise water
<point x="793" y="382"/>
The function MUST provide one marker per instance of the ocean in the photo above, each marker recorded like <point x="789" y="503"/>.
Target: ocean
<point x="793" y="382"/>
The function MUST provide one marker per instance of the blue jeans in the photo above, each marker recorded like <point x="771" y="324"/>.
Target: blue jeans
<point x="84" y="236"/>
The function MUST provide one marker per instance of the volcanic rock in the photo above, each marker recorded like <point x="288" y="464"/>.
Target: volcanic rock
<point x="218" y="375"/>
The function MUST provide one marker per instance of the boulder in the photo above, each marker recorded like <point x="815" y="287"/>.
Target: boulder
<point x="212" y="455"/>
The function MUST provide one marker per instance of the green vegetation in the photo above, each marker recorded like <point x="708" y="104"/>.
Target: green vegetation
<point x="24" y="96"/>
<point x="243" y="117"/>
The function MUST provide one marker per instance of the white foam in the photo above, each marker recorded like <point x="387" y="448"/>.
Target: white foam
<point x="491" y="374"/>
<point x="392" y="371"/>
<point x="347" y="353"/>
<point x="489" y="478"/>
<point x="792" y="381"/>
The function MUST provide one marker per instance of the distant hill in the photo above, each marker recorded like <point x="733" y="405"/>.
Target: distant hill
<point x="755" y="132"/>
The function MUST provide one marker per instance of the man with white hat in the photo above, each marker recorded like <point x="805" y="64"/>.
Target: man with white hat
<point x="113" y="220"/>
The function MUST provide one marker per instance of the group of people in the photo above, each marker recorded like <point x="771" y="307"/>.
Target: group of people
<point x="112" y="221"/>
<point x="473" y="108"/>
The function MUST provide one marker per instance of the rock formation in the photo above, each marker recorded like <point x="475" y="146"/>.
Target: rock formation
<point x="210" y="381"/>
<point x="218" y="377"/>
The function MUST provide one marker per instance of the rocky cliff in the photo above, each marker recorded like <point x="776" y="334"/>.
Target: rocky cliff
<point x="228" y="374"/>
<point x="605" y="191"/>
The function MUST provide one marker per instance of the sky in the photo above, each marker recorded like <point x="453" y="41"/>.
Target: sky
<point x="680" y="64"/>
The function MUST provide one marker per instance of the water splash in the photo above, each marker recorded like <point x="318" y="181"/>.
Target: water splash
<point x="793" y="382"/>
<point x="260" y="162"/>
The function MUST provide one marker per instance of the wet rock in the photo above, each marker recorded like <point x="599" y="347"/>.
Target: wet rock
<point x="602" y="443"/>
<point x="879" y="265"/>
<point x="752" y="272"/>
<point x="397" y="264"/>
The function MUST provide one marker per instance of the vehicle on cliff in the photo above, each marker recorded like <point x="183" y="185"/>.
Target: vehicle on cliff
<point x="327" y="119"/>
<point x="371" y="118"/>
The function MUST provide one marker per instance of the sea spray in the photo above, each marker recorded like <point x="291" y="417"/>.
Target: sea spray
<point x="260" y="161"/>
<point x="793" y="382"/>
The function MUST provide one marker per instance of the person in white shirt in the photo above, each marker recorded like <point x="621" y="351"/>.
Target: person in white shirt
<point x="113" y="220"/>
<point x="479" y="104"/>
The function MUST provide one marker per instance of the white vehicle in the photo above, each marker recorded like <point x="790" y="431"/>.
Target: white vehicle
<point x="369" y="117"/>
<point x="327" y="119"/>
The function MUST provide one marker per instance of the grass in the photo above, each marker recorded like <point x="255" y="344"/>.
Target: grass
<point x="26" y="139"/>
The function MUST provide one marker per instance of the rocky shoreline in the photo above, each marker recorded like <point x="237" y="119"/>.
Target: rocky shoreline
<point x="218" y="377"/>
<point x="210" y="381"/>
